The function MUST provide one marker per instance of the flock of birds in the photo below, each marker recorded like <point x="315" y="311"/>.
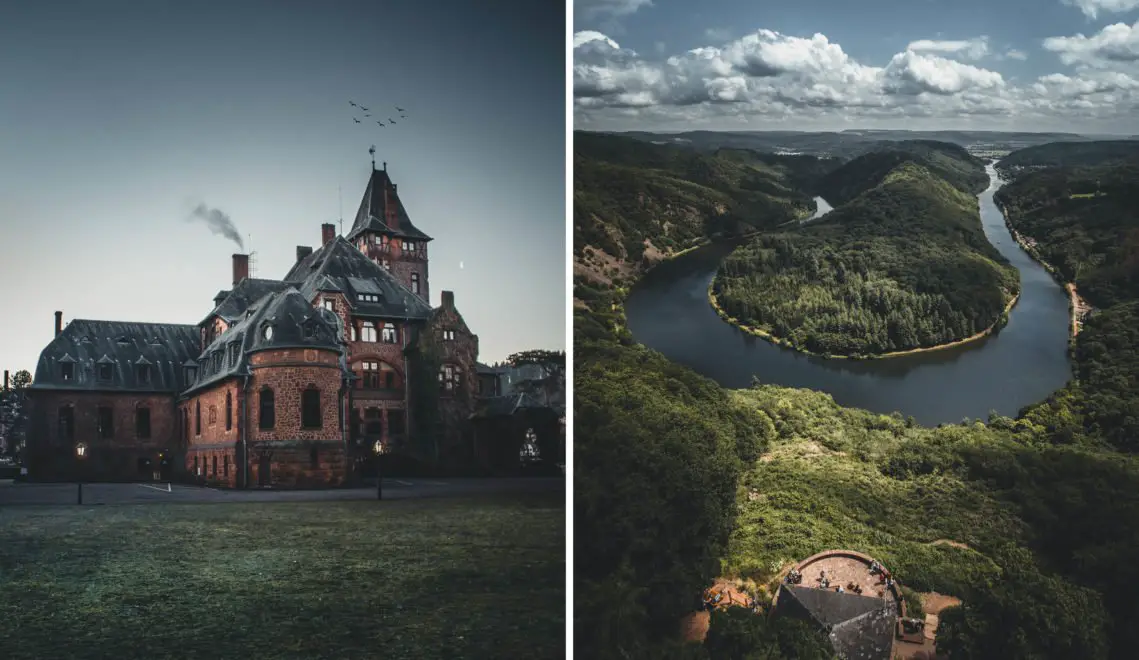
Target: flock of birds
<point x="368" y="115"/>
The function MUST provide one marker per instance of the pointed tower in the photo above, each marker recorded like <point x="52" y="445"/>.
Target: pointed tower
<point x="383" y="231"/>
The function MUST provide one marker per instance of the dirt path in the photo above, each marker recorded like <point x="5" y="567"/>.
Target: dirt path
<point x="955" y="544"/>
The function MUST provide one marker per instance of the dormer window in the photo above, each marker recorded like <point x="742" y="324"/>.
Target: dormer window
<point x="106" y="372"/>
<point x="267" y="332"/>
<point x="123" y="341"/>
<point x="367" y="297"/>
<point x="329" y="304"/>
<point x="67" y="371"/>
<point x="190" y="374"/>
<point x="309" y="330"/>
<point x="144" y="374"/>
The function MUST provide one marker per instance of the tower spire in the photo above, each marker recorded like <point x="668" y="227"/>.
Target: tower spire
<point x="372" y="151"/>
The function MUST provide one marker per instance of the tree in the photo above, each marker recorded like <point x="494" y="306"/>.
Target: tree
<point x="21" y="379"/>
<point x="553" y="366"/>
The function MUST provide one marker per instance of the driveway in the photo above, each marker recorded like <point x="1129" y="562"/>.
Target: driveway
<point x="19" y="493"/>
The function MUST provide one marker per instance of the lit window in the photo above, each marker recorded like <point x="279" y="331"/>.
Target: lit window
<point x="449" y="377"/>
<point x="415" y="283"/>
<point x="409" y="246"/>
<point x="369" y="331"/>
<point x="67" y="371"/>
<point x="354" y="334"/>
<point x="389" y="334"/>
<point x="448" y="335"/>
<point x="329" y="304"/>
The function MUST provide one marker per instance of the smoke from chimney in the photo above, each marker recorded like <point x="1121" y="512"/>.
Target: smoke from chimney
<point x="218" y="221"/>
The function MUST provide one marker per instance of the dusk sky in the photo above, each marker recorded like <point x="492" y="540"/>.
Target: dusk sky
<point x="1035" y="65"/>
<point x="117" y="118"/>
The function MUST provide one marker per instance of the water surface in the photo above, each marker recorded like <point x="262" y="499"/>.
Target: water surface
<point x="1022" y="364"/>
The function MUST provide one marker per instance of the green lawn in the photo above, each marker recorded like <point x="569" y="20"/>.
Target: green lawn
<point x="474" y="578"/>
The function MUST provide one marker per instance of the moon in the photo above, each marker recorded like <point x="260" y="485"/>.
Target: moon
<point x="460" y="265"/>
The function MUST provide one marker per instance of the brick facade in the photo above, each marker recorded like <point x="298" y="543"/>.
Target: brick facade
<point x="125" y="455"/>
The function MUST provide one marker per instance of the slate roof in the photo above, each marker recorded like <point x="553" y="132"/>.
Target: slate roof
<point x="125" y="346"/>
<point x="859" y="627"/>
<point x="235" y="302"/>
<point x="341" y="267"/>
<point x="505" y="406"/>
<point x="289" y="314"/>
<point x="373" y="211"/>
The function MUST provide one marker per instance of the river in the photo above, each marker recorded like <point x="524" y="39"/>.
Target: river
<point x="1022" y="364"/>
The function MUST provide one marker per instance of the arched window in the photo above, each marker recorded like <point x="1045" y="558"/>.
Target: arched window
<point x="67" y="423"/>
<point x="213" y="415"/>
<point x="449" y="377"/>
<point x="267" y="418"/>
<point x="228" y="410"/>
<point x="389" y="334"/>
<point x="415" y="283"/>
<point x="197" y="418"/>
<point x="310" y="408"/>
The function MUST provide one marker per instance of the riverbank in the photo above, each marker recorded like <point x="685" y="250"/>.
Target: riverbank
<point x="779" y="341"/>
<point x="1078" y="308"/>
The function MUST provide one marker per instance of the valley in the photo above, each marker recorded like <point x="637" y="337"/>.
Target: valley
<point x="680" y="481"/>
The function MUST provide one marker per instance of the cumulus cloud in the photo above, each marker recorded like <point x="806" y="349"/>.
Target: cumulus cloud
<point x="1117" y="43"/>
<point x="974" y="49"/>
<point x="1092" y="8"/>
<point x="1014" y="54"/>
<point x="776" y="77"/>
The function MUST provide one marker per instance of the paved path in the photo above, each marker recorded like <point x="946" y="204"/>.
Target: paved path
<point x="17" y="493"/>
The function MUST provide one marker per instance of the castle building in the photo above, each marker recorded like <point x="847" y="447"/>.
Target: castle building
<point x="285" y="383"/>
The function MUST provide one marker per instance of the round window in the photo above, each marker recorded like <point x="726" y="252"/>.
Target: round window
<point x="267" y="333"/>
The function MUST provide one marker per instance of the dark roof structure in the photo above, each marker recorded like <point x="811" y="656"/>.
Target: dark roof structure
<point x="860" y="627"/>
<point x="294" y="323"/>
<point x="144" y="357"/>
<point x="234" y="303"/>
<point x="505" y="406"/>
<point x="374" y="207"/>
<point x="342" y="268"/>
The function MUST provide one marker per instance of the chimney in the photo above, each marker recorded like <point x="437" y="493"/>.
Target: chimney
<point x="448" y="300"/>
<point x="5" y="380"/>
<point x="327" y="233"/>
<point x="303" y="251"/>
<point x="58" y="323"/>
<point x="240" y="267"/>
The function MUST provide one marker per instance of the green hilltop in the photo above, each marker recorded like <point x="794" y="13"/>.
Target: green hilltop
<point x="901" y="264"/>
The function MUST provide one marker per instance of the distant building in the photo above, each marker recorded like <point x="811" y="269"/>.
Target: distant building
<point x="285" y="383"/>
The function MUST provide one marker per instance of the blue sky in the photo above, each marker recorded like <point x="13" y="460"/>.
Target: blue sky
<point x="827" y="64"/>
<point x="117" y="117"/>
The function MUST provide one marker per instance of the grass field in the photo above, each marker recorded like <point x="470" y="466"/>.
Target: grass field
<point x="472" y="578"/>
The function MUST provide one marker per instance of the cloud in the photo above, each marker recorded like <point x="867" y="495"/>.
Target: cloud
<point x="1091" y="8"/>
<point x="1014" y="54"/>
<point x="770" y="77"/>
<point x="974" y="49"/>
<point x="1117" y="43"/>
<point x="593" y="9"/>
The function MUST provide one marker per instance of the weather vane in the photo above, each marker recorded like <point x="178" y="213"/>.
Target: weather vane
<point x="372" y="151"/>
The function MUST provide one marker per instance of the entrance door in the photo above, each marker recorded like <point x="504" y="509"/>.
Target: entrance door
<point x="264" y="478"/>
<point x="164" y="469"/>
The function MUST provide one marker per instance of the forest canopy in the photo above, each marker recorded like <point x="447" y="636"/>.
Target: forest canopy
<point x="905" y="264"/>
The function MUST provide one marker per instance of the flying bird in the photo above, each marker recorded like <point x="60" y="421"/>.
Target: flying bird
<point x="356" y="120"/>
<point x="399" y="109"/>
<point x="390" y="120"/>
<point x="362" y="108"/>
<point x="367" y="115"/>
<point x="382" y="124"/>
<point x="353" y="104"/>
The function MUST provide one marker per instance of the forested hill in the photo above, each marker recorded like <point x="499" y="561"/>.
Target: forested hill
<point x="635" y="202"/>
<point x="1086" y="223"/>
<point x="903" y="265"/>
<point x="947" y="161"/>
<point x="1071" y="154"/>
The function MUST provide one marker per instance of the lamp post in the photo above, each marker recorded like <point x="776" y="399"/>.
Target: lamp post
<point x="378" y="449"/>
<point x="80" y="454"/>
